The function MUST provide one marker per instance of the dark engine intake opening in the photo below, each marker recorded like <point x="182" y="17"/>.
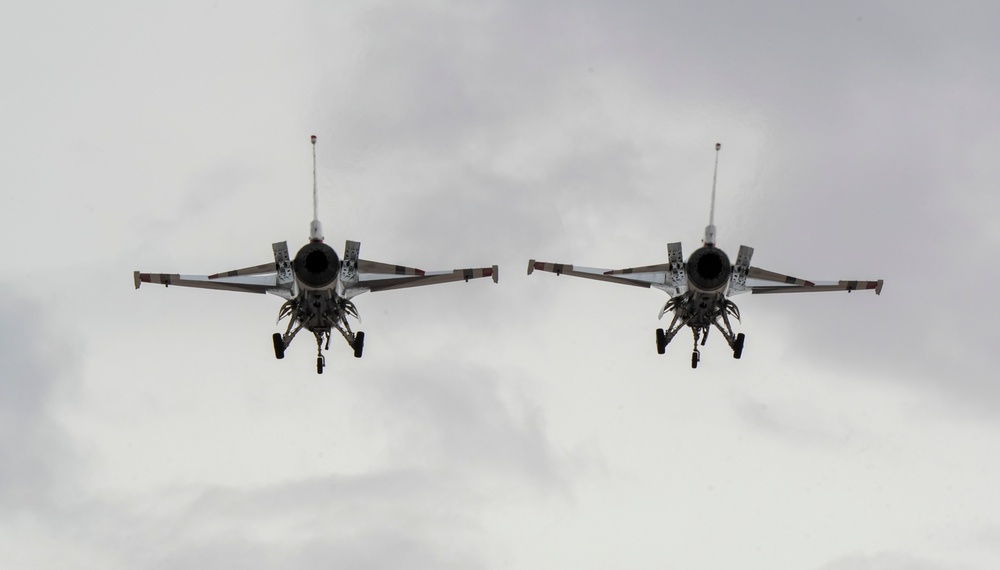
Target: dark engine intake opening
<point x="708" y="269"/>
<point x="316" y="264"/>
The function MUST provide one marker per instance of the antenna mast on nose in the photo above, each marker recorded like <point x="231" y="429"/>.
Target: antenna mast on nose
<point x="315" y="228"/>
<point x="710" y="229"/>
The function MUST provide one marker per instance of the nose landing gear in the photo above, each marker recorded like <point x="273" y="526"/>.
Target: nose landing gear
<point x="696" y="355"/>
<point x="320" y="359"/>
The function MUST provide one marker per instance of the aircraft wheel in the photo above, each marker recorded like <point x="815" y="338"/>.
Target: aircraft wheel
<point x="695" y="357"/>
<point x="738" y="345"/>
<point x="359" y="344"/>
<point x="661" y="341"/>
<point x="279" y="346"/>
<point x="319" y="365"/>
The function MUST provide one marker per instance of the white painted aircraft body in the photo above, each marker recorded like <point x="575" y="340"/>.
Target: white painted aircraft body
<point x="700" y="288"/>
<point x="317" y="285"/>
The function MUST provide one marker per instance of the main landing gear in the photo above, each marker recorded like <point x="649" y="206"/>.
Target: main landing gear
<point x="661" y="341"/>
<point x="663" y="338"/>
<point x="319" y="312"/>
<point x="358" y="344"/>
<point x="279" y="346"/>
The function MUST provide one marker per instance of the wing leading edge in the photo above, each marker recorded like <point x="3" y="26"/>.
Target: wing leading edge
<point x="363" y="275"/>
<point x="660" y="276"/>
<point x="780" y="283"/>
<point x="245" y="284"/>
<point x="374" y="276"/>
<point x="273" y="277"/>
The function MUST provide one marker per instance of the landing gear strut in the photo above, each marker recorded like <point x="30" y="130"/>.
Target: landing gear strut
<point x="700" y="312"/>
<point x="320" y="360"/>
<point x="696" y="356"/>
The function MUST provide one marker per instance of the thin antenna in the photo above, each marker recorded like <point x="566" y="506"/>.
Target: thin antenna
<point x="710" y="230"/>
<point x="315" y="193"/>
<point x="315" y="228"/>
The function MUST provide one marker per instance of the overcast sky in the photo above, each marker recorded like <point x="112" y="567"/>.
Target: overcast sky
<point x="528" y="424"/>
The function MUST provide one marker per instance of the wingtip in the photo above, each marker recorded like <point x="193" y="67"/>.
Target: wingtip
<point x="878" y="288"/>
<point x="135" y="277"/>
<point x="531" y="266"/>
<point x="496" y="274"/>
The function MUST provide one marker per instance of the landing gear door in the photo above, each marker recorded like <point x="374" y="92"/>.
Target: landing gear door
<point x="738" y="283"/>
<point x="349" y="268"/>
<point x="284" y="280"/>
<point x="675" y="256"/>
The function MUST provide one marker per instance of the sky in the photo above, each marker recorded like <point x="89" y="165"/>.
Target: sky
<point x="527" y="424"/>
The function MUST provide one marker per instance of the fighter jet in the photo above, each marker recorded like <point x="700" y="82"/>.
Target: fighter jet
<point x="317" y="285"/>
<point x="700" y="288"/>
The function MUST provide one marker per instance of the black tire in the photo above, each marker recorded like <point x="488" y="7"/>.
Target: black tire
<point x="279" y="346"/>
<point x="661" y="341"/>
<point x="359" y="344"/>
<point x="319" y="365"/>
<point x="694" y="359"/>
<point x="738" y="345"/>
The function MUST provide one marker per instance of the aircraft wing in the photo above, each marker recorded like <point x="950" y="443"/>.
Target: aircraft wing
<point x="762" y="281"/>
<point x="271" y="277"/>
<point x="245" y="284"/>
<point x="376" y="276"/>
<point x="661" y="276"/>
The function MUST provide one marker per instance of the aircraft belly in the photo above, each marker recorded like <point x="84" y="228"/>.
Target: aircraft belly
<point x="700" y="309"/>
<point x="718" y="290"/>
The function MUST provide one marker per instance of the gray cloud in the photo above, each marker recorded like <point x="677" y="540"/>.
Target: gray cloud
<point x="859" y="143"/>
<point x="36" y="456"/>
<point x="858" y="177"/>
<point x="370" y="521"/>
<point x="884" y="561"/>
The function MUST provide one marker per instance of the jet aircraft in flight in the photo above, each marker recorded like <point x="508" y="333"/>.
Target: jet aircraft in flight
<point x="317" y="285"/>
<point x="700" y="288"/>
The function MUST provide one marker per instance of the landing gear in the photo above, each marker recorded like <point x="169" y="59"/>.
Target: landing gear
<point x="319" y="312"/>
<point x="661" y="341"/>
<point x="696" y="356"/>
<point x="738" y="345"/>
<point x="279" y="346"/>
<point x="359" y="344"/>
<point x="701" y="312"/>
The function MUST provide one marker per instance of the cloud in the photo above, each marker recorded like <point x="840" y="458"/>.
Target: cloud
<point x="884" y="561"/>
<point x="375" y="520"/>
<point x="858" y="143"/>
<point x="454" y="445"/>
<point x="808" y="427"/>
<point x="36" y="454"/>
<point x="457" y="443"/>
<point x="465" y="421"/>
